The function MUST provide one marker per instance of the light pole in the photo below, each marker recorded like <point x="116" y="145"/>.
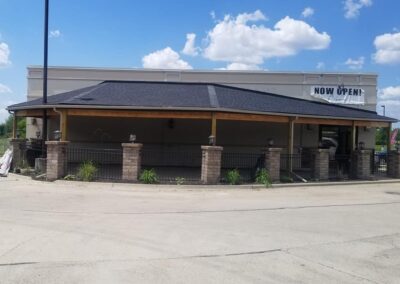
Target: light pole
<point x="384" y="109"/>
<point x="46" y="43"/>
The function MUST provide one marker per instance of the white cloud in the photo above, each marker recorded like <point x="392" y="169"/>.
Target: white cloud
<point x="190" y="48"/>
<point x="387" y="49"/>
<point x="234" y="40"/>
<point x="212" y="15"/>
<point x="320" y="65"/>
<point x="4" y="89"/>
<point x="4" y="54"/>
<point x="352" y="7"/>
<point x="307" y="12"/>
<point x="390" y="98"/>
<point x="241" y="66"/>
<point x="165" y="58"/>
<point x="389" y="93"/>
<point x="55" y="34"/>
<point x="355" y="64"/>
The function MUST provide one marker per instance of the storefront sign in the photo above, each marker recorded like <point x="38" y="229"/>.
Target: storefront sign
<point x="339" y="94"/>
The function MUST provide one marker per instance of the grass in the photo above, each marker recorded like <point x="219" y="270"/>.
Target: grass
<point x="3" y="145"/>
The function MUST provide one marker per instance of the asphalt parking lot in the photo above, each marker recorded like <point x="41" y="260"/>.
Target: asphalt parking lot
<point x="72" y="232"/>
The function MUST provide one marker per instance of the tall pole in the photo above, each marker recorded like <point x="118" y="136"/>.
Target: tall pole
<point x="384" y="110"/>
<point x="46" y="43"/>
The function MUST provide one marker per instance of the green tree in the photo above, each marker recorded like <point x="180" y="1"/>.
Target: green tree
<point x="381" y="136"/>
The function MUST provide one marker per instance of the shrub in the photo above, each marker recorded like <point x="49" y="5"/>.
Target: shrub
<point x="148" y="176"/>
<point x="262" y="177"/>
<point x="233" y="177"/>
<point x="179" y="180"/>
<point x="87" y="171"/>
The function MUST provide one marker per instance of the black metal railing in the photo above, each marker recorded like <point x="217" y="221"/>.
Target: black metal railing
<point x="173" y="165"/>
<point x="108" y="162"/>
<point x="340" y="167"/>
<point x="246" y="163"/>
<point x="379" y="164"/>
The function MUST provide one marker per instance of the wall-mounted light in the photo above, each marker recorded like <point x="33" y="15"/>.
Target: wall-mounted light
<point x="271" y="142"/>
<point x="57" y="135"/>
<point x="38" y="134"/>
<point x="361" y="145"/>
<point x="34" y="121"/>
<point x="308" y="127"/>
<point x="211" y="140"/>
<point x="132" y="138"/>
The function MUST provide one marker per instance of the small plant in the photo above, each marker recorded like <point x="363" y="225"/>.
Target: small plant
<point x="87" y="171"/>
<point x="262" y="177"/>
<point x="233" y="177"/>
<point x="179" y="180"/>
<point x="286" y="179"/>
<point x="69" y="177"/>
<point x="148" y="176"/>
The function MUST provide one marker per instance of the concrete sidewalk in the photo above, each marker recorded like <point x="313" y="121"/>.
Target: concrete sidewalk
<point x="73" y="232"/>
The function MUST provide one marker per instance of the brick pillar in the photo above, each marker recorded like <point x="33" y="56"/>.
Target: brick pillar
<point x="18" y="146"/>
<point x="131" y="161"/>
<point x="393" y="164"/>
<point x="273" y="163"/>
<point x="56" y="163"/>
<point x="320" y="164"/>
<point x="361" y="164"/>
<point x="211" y="164"/>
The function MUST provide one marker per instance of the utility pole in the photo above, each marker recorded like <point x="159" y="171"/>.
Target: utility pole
<point x="46" y="43"/>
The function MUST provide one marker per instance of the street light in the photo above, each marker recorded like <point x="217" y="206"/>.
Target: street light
<point x="384" y="109"/>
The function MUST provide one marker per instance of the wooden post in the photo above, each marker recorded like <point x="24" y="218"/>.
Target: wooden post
<point x="353" y="136"/>
<point x="290" y="144"/>
<point x="214" y="127"/>
<point x="389" y="132"/>
<point x="15" y="125"/>
<point x="63" y="125"/>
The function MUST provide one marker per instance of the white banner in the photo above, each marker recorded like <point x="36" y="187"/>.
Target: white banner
<point x="339" y="94"/>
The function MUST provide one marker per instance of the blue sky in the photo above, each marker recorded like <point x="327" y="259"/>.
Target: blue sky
<point x="276" y="35"/>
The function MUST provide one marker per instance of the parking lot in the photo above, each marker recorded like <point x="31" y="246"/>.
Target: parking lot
<point x="73" y="232"/>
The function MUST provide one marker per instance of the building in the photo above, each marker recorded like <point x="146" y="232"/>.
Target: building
<point x="176" y="111"/>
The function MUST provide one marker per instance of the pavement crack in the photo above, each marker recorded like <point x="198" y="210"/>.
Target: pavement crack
<point x="17" y="263"/>
<point x="215" y="211"/>
<point x="329" y="267"/>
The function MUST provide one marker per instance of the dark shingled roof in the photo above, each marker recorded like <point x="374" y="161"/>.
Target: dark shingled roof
<point x="200" y="96"/>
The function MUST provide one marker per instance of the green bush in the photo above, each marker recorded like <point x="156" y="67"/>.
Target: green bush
<point x="87" y="171"/>
<point x="179" y="180"/>
<point x="233" y="177"/>
<point x="148" y="176"/>
<point x="262" y="177"/>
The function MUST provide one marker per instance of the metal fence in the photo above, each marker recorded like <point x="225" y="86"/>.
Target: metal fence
<point x="107" y="161"/>
<point x="379" y="164"/>
<point x="246" y="163"/>
<point x="340" y="167"/>
<point x="173" y="165"/>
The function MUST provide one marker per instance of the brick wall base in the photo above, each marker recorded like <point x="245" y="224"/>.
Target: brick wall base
<point x="131" y="161"/>
<point x="320" y="164"/>
<point x="273" y="163"/>
<point x="361" y="164"/>
<point x="56" y="163"/>
<point x="18" y="146"/>
<point x="211" y="164"/>
<point x="393" y="169"/>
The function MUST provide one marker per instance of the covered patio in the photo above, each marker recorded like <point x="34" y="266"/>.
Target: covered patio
<point x="172" y="121"/>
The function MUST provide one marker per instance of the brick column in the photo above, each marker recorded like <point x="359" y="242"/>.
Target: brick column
<point x="393" y="164"/>
<point x="56" y="163"/>
<point x="18" y="146"/>
<point x="273" y="163"/>
<point x="211" y="164"/>
<point x="361" y="164"/>
<point x="320" y="164"/>
<point x="131" y="161"/>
